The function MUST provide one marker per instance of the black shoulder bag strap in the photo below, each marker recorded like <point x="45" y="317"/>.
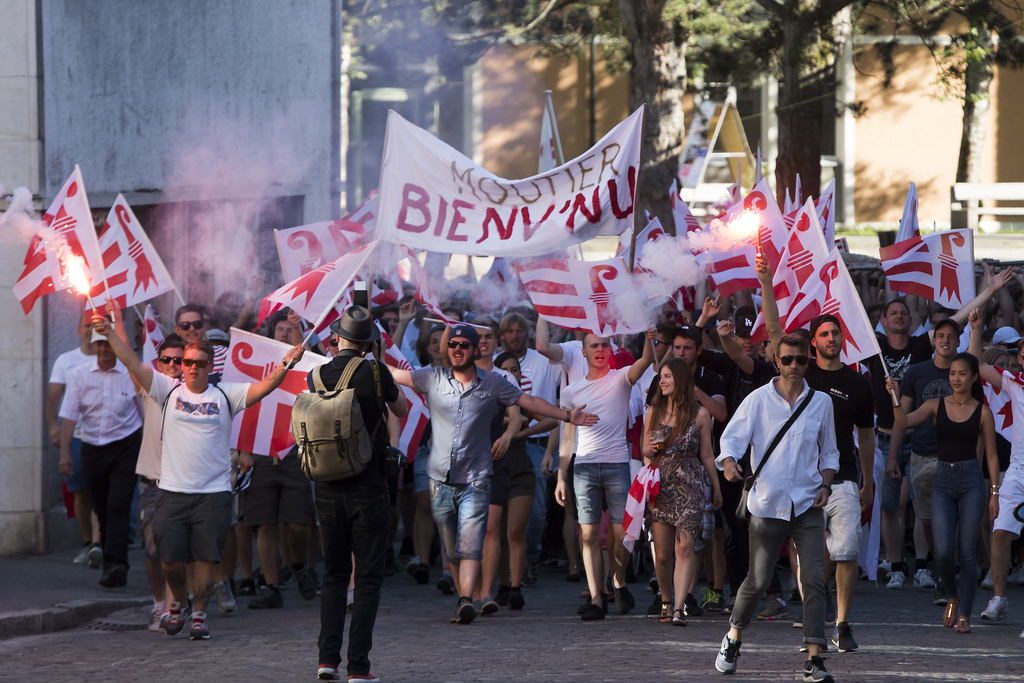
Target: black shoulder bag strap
<point x="778" y="437"/>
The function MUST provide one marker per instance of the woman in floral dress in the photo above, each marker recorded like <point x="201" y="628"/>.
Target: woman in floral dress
<point x="677" y="435"/>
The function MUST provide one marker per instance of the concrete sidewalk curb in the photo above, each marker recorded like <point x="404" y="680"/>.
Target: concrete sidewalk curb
<point x="62" y="616"/>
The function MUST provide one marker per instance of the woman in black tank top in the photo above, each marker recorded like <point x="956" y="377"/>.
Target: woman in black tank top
<point x="964" y="426"/>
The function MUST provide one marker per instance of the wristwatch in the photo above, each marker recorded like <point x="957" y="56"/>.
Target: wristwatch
<point x="568" y="416"/>
<point x="826" y="487"/>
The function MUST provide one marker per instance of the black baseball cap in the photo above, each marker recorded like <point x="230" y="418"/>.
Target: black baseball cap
<point x="691" y="332"/>
<point x="743" y="320"/>
<point x="821" y="320"/>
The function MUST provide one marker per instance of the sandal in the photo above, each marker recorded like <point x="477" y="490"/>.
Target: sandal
<point x="666" y="615"/>
<point x="678" y="620"/>
<point x="963" y="624"/>
<point x="949" y="616"/>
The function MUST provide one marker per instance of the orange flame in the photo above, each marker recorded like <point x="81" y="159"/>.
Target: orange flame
<point x="745" y="226"/>
<point x="75" y="271"/>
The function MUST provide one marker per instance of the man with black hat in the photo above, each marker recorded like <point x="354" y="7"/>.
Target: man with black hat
<point x="355" y="513"/>
<point x="462" y="400"/>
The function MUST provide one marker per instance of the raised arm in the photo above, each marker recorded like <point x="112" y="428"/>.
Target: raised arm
<point x="141" y="372"/>
<point x="769" y="308"/>
<point x="636" y="370"/>
<point x="553" y="352"/>
<point x="994" y="284"/>
<point x="988" y="373"/>
<point x="258" y="390"/>
<point x="733" y="347"/>
<point x="406" y="312"/>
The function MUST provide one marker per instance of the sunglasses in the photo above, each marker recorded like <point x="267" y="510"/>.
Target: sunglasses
<point x="460" y="345"/>
<point x="167" y="360"/>
<point x="332" y="342"/>
<point x="788" y="360"/>
<point x="191" y="325"/>
<point x="189" y="362"/>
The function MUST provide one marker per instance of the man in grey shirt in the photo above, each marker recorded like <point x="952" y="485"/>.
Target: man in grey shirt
<point x="462" y="401"/>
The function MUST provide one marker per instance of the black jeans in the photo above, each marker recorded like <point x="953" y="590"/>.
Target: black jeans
<point x="354" y="520"/>
<point x="110" y="474"/>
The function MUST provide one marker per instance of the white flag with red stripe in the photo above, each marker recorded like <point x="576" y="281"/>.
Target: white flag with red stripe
<point x="153" y="338"/>
<point x="132" y="267"/>
<point x="804" y="254"/>
<point x="307" y="247"/>
<point x="415" y="422"/>
<point x="826" y="206"/>
<point x="651" y="232"/>
<point x="596" y="296"/>
<point x="265" y="428"/>
<point x="67" y="231"/>
<point x="644" y="489"/>
<point x="909" y="227"/>
<point x="1001" y="405"/>
<point x="824" y="292"/>
<point x="684" y="218"/>
<point x="939" y="267"/>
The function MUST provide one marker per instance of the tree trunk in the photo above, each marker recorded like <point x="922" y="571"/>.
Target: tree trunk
<point x="800" y="112"/>
<point x="977" y="79"/>
<point x="657" y="78"/>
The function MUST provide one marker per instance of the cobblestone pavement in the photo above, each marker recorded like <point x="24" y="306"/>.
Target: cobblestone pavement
<point x="899" y="632"/>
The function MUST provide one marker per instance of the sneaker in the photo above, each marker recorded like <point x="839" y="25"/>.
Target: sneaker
<point x="95" y="556"/>
<point x="285" y="576"/>
<point x="246" y="587"/>
<point x="986" y="581"/>
<point x="179" y="614"/>
<point x="691" y="608"/>
<point x="446" y="585"/>
<point x="843" y="638"/>
<point x="465" y="613"/>
<point x="83" y="555"/>
<point x="199" y="630"/>
<point x="225" y="598"/>
<point x="652" y="585"/>
<point x="939" y="598"/>
<point x="923" y="579"/>
<point x="326" y="672"/>
<point x="896" y="580"/>
<point x="115" y="576"/>
<point x="163" y="621"/>
<point x="592" y="612"/>
<point x="815" y="672"/>
<point x="364" y="678"/>
<point x="712" y="600"/>
<point x="502" y="597"/>
<point x="623" y="600"/>
<point x="306" y="583"/>
<point x="1017" y="575"/>
<point x="730" y="604"/>
<point x="530" y="579"/>
<point x="654" y="609"/>
<point x="515" y="598"/>
<point x="270" y="598"/>
<point x="997" y="609"/>
<point x="421" y="573"/>
<point x="156" y="619"/>
<point x="726" y="660"/>
<point x="488" y="605"/>
<point x="775" y="610"/>
<point x="884" y="567"/>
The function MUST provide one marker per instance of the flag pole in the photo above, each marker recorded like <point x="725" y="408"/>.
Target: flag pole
<point x="549" y="105"/>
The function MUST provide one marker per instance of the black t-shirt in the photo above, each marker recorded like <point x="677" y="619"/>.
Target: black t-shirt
<point x="924" y="382"/>
<point x="852" y="405"/>
<point x="918" y="350"/>
<point x="738" y="384"/>
<point x="366" y="393"/>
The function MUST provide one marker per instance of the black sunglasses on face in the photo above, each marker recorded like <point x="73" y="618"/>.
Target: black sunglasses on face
<point x="460" y="345"/>
<point x="788" y="360"/>
<point x="167" y="360"/>
<point x="189" y="362"/>
<point x="191" y="325"/>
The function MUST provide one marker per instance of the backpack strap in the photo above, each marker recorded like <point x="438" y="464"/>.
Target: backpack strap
<point x="318" y="382"/>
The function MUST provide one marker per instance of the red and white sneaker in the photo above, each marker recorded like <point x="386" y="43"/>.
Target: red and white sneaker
<point x="177" y="617"/>
<point x="199" y="630"/>
<point x="326" y="672"/>
<point x="363" y="678"/>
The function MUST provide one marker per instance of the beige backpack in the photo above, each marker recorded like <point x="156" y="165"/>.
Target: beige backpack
<point x="329" y="428"/>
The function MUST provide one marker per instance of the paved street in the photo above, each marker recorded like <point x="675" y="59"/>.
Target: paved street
<point x="899" y="633"/>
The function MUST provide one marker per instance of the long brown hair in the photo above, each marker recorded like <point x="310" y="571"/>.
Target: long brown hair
<point x="683" y="397"/>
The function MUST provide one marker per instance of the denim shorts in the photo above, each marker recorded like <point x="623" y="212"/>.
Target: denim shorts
<point x="890" y="488"/>
<point x="76" y="482"/>
<point x="597" y="483"/>
<point x="460" y="512"/>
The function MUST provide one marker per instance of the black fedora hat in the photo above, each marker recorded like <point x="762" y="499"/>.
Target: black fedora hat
<point x="356" y="325"/>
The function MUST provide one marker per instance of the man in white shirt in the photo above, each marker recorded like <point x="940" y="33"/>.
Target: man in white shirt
<point x="601" y="469"/>
<point x="101" y="396"/>
<point x="788" y="496"/>
<point x="65" y="364"/>
<point x="193" y="507"/>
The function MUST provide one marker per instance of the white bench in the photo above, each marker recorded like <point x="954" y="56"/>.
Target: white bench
<point x="968" y="197"/>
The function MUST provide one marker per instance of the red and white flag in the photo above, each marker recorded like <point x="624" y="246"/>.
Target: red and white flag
<point x="730" y="260"/>
<point x="684" y="218"/>
<point x="307" y="247"/>
<point x="153" y="338"/>
<point x="415" y="422"/>
<point x="803" y="255"/>
<point x="1001" y="405"/>
<point x="265" y="428"/>
<point x="823" y="295"/>
<point x="909" y="227"/>
<point x="826" y="206"/>
<point x="644" y="489"/>
<point x="68" y="230"/>
<point x="132" y="266"/>
<point x="651" y="232"/>
<point x="597" y="296"/>
<point x="939" y="267"/>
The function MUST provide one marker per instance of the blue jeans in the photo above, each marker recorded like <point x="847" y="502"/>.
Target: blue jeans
<point x="460" y="512"/>
<point x="535" y="526"/>
<point x="958" y="499"/>
<point x="594" y="482"/>
<point x="890" y="488"/>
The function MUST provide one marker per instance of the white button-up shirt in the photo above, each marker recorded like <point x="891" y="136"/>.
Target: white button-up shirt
<point x="791" y="478"/>
<point x="102" y="402"/>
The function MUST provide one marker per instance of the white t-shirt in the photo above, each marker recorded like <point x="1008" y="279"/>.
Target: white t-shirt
<point x="196" y="457"/>
<point x="573" y="362"/>
<point x="608" y="398"/>
<point x="65" y="364"/>
<point x="148" y="464"/>
<point x="540" y="376"/>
